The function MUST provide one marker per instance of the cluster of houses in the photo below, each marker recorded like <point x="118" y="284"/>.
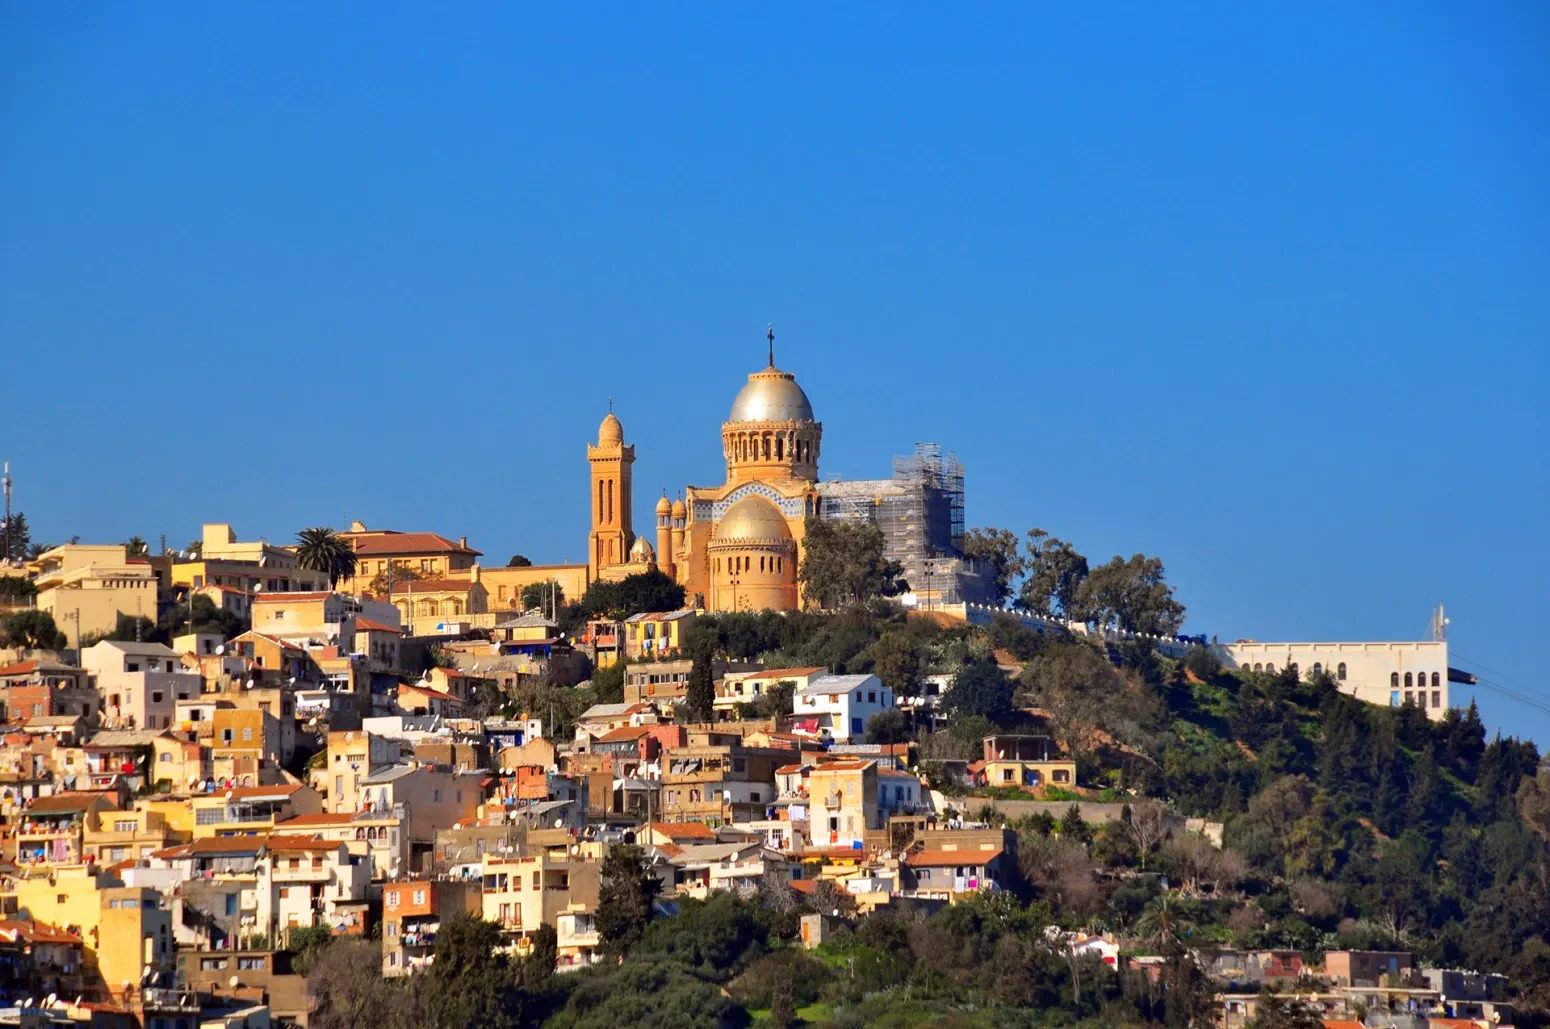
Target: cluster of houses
<point x="171" y="814"/>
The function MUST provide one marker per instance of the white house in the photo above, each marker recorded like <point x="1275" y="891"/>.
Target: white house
<point x="839" y="706"/>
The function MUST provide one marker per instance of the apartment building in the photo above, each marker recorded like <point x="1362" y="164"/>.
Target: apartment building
<point x="523" y="892"/>
<point x="718" y="785"/>
<point x="838" y="706"/>
<point x="412" y="913"/>
<point x="87" y="587"/>
<point x="138" y="683"/>
<point x="739" y="688"/>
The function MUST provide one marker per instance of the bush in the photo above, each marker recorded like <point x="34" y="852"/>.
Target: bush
<point x="755" y="988"/>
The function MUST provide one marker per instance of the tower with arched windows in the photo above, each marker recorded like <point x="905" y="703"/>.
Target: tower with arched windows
<point x="612" y="535"/>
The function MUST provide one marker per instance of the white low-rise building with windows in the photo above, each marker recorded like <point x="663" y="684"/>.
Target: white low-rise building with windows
<point x="839" y="706"/>
<point x="1388" y="674"/>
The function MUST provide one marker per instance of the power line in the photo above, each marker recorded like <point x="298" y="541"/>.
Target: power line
<point x="1526" y="701"/>
<point x="1493" y="671"/>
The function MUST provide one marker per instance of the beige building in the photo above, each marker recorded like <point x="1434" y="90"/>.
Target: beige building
<point x="505" y="585"/>
<point x="426" y="554"/>
<point x="139" y="683"/>
<point x="1386" y="674"/>
<point x="86" y="587"/>
<point x="250" y="567"/>
<point x="522" y="893"/>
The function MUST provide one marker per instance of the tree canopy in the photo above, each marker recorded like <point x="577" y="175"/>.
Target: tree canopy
<point x="34" y="630"/>
<point x="844" y="563"/>
<point x="321" y="549"/>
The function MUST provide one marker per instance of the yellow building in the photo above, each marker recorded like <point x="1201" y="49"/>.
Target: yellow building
<point x="126" y="931"/>
<point x="735" y="546"/>
<point x="505" y="585"/>
<point x="223" y="561"/>
<point x="426" y="554"/>
<point x="85" y="588"/>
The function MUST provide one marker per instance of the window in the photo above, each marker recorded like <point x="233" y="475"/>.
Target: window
<point x="1394" y="681"/>
<point x="1340" y="671"/>
<point x="211" y="964"/>
<point x="1409" y="697"/>
<point x="247" y="735"/>
<point x="132" y="666"/>
<point x="125" y="825"/>
<point x="1318" y="669"/>
<point x="1293" y="669"/>
<point x="391" y="899"/>
<point x="1259" y="668"/>
<point x="392" y="929"/>
<point x="250" y="964"/>
<point x="1007" y="775"/>
<point x="226" y="736"/>
<point x="419" y="896"/>
<point x="1394" y="695"/>
<point x="231" y="904"/>
<point x="1270" y="669"/>
<point x="60" y="899"/>
<point x="1062" y="775"/>
<point x="1436" y="698"/>
<point x="1436" y="680"/>
<point x="1407" y="680"/>
<point x="285" y="893"/>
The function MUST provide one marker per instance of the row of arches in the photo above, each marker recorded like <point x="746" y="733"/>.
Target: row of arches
<point x="605" y="501"/>
<point x="769" y="446"/>
<point x="745" y="563"/>
<point x="1419" y="681"/>
<point x="429" y="607"/>
<point x="1269" y="668"/>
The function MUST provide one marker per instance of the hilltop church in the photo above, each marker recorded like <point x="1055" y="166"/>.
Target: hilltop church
<point x="737" y="546"/>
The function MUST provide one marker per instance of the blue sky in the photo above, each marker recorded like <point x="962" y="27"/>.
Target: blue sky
<point x="1262" y="292"/>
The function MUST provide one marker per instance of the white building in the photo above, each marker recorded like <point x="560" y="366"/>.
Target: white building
<point x="139" y="683"/>
<point x="839" y="706"/>
<point x="1388" y="674"/>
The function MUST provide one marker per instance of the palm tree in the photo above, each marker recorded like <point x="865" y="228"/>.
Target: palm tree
<point x="137" y="547"/>
<point x="323" y="550"/>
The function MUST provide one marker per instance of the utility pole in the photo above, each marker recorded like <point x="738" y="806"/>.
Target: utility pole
<point x="6" y="482"/>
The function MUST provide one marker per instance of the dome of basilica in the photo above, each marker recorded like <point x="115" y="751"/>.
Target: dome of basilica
<point x="752" y="518"/>
<point x="771" y="395"/>
<point x="641" y="552"/>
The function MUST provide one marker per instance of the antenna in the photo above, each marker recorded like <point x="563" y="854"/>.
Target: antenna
<point x="1439" y="625"/>
<point x="6" y="482"/>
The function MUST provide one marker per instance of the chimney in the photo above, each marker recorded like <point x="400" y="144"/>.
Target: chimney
<point x="462" y="541"/>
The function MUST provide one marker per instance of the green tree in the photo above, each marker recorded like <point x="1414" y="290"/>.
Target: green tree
<point x="137" y="629"/>
<point x="634" y="594"/>
<point x="347" y="989"/>
<point x="1272" y="1011"/>
<point x="34" y="630"/>
<point x="1132" y="596"/>
<point x="625" y="898"/>
<point x="980" y="688"/>
<point x="783" y="1012"/>
<point x="700" y="689"/>
<point x="17" y="587"/>
<point x="15" y="538"/>
<point x="538" y="967"/>
<point x="134" y="546"/>
<point x="995" y="551"/>
<point x="845" y="563"/>
<point x="400" y="576"/>
<point x="206" y="618"/>
<point x="897" y="661"/>
<point x="307" y="943"/>
<point x="470" y="982"/>
<point x="891" y="726"/>
<point x="544" y="596"/>
<point x="1056" y="572"/>
<point x="518" y="561"/>
<point x="776" y="702"/>
<point x="608" y="683"/>
<point x="321" y="549"/>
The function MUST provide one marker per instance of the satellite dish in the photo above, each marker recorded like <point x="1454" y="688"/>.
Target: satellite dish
<point x="559" y="823"/>
<point x="48" y="1003"/>
<point x="220" y="649"/>
<point x="234" y="981"/>
<point x="228" y="794"/>
<point x="28" y="1002"/>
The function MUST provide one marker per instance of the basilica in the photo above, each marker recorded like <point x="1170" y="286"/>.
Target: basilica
<point x="735" y="547"/>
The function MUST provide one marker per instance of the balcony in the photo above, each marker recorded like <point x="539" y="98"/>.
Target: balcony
<point x="156" y="999"/>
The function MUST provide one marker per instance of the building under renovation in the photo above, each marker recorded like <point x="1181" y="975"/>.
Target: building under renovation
<point x="920" y="512"/>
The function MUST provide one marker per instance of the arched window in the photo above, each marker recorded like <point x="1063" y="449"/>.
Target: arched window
<point x="1340" y="671"/>
<point x="1270" y="669"/>
<point x="1394" y="680"/>
<point x="1318" y="669"/>
<point x="1293" y="669"/>
<point x="1408" y="683"/>
<point x="780" y="448"/>
<point x="1259" y="668"/>
<point x="1436" y="680"/>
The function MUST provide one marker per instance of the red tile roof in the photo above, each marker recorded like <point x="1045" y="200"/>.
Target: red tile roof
<point x="384" y="543"/>
<point x="938" y="858"/>
<point x="254" y="792"/>
<point x="63" y="802"/>
<point x="684" y="830"/>
<point x="321" y="818"/>
<point x="370" y="626"/>
<point x="281" y="598"/>
<point x="34" y="932"/>
<point x="301" y="843"/>
<point x="21" y="668"/>
<point x="625" y="732"/>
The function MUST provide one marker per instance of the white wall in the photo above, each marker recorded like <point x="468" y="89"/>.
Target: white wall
<point x="1369" y="668"/>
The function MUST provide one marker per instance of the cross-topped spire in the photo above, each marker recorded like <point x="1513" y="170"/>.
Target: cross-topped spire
<point x="610" y="405"/>
<point x="771" y="336"/>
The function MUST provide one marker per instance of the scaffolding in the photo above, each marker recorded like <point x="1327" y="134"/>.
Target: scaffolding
<point x="920" y="513"/>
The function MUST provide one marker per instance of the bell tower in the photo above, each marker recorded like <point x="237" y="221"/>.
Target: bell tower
<point x="611" y="537"/>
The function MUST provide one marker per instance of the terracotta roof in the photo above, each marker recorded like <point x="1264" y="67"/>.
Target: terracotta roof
<point x="321" y="818"/>
<point x="21" y="668"/>
<point x="788" y="769"/>
<point x="422" y="691"/>
<point x="372" y="544"/>
<point x="625" y="732"/>
<point x="371" y="626"/>
<point x="64" y="802"/>
<point x="841" y="766"/>
<point x="684" y="830"/>
<point x="35" y="932"/>
<point x="279" y="598"/>
<point x="743" y="676"/>
<point x="434" y="586"/>
<point x="1351" y="1023"/>
<point x="936" y="858"/>
<point x="804" y="886"/>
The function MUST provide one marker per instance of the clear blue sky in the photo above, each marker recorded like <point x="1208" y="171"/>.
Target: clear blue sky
<point x="1265" y="293"/>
